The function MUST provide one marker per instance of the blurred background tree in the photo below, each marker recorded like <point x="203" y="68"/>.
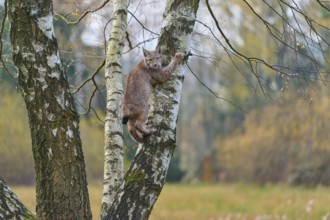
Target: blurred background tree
<point x="284" y="142"/>
<point x="16" y="164"/>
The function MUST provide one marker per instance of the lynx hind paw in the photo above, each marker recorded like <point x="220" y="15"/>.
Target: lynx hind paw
<point x="148" y="132"/>
<point x="179" y="56"/>
<point x="145" y="136"/>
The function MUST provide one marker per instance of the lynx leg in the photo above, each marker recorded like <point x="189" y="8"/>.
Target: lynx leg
<point x="140" y="123"/>
<point x="132" y="130"/>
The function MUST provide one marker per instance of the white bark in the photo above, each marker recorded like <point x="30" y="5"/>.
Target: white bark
<point x="61" y="185"/>
<point x="113" y="147"/>
<point x="145" y="178"/>
<point x="10" y="206"/>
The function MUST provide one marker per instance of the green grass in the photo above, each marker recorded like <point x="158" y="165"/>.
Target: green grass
<point x="234" y="201"/>
<point x="241" y="202"/>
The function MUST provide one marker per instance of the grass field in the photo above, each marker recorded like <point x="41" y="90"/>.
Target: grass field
<point x="230" y="202"/>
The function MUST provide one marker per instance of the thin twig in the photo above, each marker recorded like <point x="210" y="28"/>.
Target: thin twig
<point x="83" y="15"/>
<point x="90" y="78"/>
<point x="248" y="59"/>
<point x="138" y="44"/>
<point x="129" y="41"/>
<point x="144" y="27"/>
<point x="323" y="6"/>
<point x="212" y="92"/>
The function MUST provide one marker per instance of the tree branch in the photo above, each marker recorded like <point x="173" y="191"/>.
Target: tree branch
<point x="145" y="178"/>
<point x="1" y="33"/>
<point x="212" y="91"/>
<point x="322" y="5"/>
<point x="10" y="206"/>
<point x="113" y="129"/>
<point x="83" y="15"/>
<point x="248" y="59"/>
<point x="92" y="77"/>
<point x="144" y="27"/>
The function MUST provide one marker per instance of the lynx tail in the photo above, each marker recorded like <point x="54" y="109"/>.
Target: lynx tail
<point x="125" y="120"/>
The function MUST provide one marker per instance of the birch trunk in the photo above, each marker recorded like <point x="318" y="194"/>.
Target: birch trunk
<point x="145" y="178"/>
<point x="61" y="184"/>
<point x="10" y="206"/>
<point x="113" y="147"/>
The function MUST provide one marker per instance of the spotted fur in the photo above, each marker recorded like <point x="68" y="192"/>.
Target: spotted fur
<point x="140" y="82"/>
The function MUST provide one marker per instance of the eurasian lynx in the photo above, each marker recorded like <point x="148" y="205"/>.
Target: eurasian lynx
<point x="140" y="81"/>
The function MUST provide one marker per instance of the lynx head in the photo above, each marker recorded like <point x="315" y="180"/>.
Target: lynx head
<point x="153" y="59"/>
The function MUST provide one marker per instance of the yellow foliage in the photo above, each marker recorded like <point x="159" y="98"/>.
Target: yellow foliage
<point x="16" y="164"/>
<point x="279" y="141"/>
<point x="92" y="137"/>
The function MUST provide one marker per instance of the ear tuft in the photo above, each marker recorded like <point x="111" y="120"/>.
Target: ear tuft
<point x="145" y="52"/>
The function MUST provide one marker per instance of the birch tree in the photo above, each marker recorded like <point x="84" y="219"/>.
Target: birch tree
<point x="61" y="180"/>
<point x="113" y="147"/>
<point x="145" y="178"/>
<point x="10" y="206"/>
<point x="54" y="124"/>
<point x="61" y="184"/>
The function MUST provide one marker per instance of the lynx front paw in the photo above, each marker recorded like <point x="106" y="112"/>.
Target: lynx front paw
<point x="179" y="56"/>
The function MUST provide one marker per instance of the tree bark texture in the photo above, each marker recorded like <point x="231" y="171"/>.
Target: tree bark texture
<point x="61" y="184"/>
<point x="10" y="206"/>
<point x="113" y="147"/>
<point x="145" y="178"/>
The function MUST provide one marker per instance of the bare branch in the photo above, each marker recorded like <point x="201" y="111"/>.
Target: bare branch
<point x="270" y="27"/>
<point x="129" y="41"/>
<point x="83" y="15"/>
<point x="248" y="59"/>
<point x="213" y="92"/>
<point x="131" y="47"/>
<point x="104" y="32"/>
<point x="92" y="77"/>
<point x="322" y="5"/>
<point x="89" y="108"/>
<point x="309" y="42"/>
<point x="144" y="27"/>
<point x="96" y="88"/>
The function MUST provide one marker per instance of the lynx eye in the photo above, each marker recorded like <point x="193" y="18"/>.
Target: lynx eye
<point x="149" y="60"/>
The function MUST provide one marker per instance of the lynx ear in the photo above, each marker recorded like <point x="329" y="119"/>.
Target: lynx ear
<point x="145" y="52"/>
